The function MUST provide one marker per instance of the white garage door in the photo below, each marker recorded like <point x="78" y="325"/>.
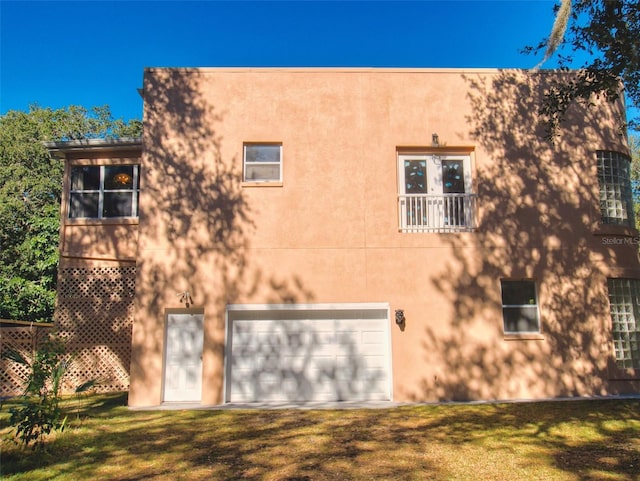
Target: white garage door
<point x="308" y="353"/>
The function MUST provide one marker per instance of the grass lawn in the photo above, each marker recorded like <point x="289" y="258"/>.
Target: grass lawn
<point x="572" y="440"/>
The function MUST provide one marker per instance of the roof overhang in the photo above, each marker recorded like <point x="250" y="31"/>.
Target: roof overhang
<point x="61" y="149"/>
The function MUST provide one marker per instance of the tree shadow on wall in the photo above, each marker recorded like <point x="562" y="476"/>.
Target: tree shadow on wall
<point x="537" y="209"/>
<point x="195" y="221"/>
<point x="192" y="207"/>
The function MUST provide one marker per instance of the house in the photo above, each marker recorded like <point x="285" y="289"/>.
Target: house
<point x="354" y="234"/>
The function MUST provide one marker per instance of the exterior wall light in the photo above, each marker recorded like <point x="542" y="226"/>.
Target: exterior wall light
<point x="435" y="141"/>
<point x="185" y="298"/>
<point x="400" y="319"/>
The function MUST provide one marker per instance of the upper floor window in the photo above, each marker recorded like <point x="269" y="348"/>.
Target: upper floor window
<point x="262" y="162"/>
<point x="614" y="177"/>
<point x="624" y="303"/>
<point x="520" y="306"/>
<point x="435" y="193"/>
<point x="104" y="191"/>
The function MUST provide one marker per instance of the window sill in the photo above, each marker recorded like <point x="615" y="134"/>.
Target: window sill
<point x="524" y="336"/>
<point x="109" y="221"/>
<point x="261" y="184"/>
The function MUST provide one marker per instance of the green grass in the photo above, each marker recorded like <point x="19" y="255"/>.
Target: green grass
<point x="574" y="440"/>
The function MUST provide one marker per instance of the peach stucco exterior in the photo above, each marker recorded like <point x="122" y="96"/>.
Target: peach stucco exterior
<point x="102" y="241"/>
<point x="328" y="232"/>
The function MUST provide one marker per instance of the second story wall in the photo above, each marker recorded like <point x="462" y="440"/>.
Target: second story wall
<point x="89" y="230"/>
<point x="342" y="135"/>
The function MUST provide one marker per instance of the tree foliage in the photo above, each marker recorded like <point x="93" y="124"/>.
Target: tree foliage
<point x="30" y="191"/>
<point x="608" y="33"/>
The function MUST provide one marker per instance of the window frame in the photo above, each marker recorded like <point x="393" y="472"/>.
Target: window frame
<point x="622" y="342"/>
<point x="504" y="306"/>
<point x="614" y="188"/>
<point x="134" y="191"/>
<point x="245" y="163"/>
<point x="434" y="210"/>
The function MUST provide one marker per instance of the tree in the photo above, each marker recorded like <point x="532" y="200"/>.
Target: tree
<point x="30" y="192"/>
<point x="608" y="32"/>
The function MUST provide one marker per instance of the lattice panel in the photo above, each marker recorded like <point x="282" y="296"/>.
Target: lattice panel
<point x="97" y="282"/>
<point x="13" y="375"/>
<point x="95" y="316"/>
<point x="107" y="364"/>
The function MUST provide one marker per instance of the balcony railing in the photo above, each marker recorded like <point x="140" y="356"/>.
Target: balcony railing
<point x="437" y="213"/>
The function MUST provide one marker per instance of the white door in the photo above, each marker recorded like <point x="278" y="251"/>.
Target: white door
<point x="308" y="355"/>
<point x="183" y="358"/>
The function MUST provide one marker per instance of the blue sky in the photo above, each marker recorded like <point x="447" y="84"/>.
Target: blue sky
<point x="92" y="53"/>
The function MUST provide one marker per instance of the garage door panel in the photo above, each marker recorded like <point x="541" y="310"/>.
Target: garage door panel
<point x="305" y="357"/>
<point x="374" y="337"/>
<point x="375" y="362"/>
<point x="370" y="349"/>
<point x="283" y="363"/>
<point x="285" y="388"/>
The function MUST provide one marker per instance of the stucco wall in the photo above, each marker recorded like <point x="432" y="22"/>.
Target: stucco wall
<point x="329" y="232"/>
<point x="106" y="239"/>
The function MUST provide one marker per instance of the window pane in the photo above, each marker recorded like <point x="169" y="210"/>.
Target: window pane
<point x="519" y="306"/>
<point x="624" y="303"/>
<point x="616" y="206"/>
<point x="118" y="177"/>
<point x="117" y="204"/>
<point x="262" y="153"/>
<point x="518" y="293"/>
<point x="84" y="205"/>
<point x="104" y="191"/>
<point x="415" y="176"/>
<point x="452" y="176"/>
<point x="520" y="319"/>
<point x="262" y="172"/>
<point x="85" y="178"/>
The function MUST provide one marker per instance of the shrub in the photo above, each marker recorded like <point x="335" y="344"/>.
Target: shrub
<point x="39" y="413"/>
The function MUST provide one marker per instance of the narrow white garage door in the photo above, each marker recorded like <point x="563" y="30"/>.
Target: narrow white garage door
<point x="308" y="353"/>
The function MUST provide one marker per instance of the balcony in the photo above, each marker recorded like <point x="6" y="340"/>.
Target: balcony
<point x="437" y="212"/>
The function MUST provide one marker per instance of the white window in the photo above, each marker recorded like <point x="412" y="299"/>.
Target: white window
<point x="614" y="177"/>
<point x="435" y="193"/>
<point x="262" y="162"/>
<point x="104" y="191"/>
<point x="624" y="302"/>
<point x="520" y="306"/>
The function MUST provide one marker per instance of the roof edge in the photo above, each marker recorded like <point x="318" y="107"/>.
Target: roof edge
<point x="63" y="147"/>
<point x="336" y="69"/>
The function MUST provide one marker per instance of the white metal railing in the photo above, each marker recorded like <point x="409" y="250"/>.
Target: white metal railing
<point x="437" y="213"/>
